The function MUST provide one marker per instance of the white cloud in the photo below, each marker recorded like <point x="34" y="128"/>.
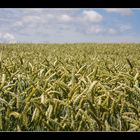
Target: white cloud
<point x="61" y="9"/>
<point x="101" y="30"/>
<point x="135" y="8"/>
<point x="31" y="19"/>
<point x="42" y="20"/>
<point x="92" y="16"/>
<point x="121" y="11"/>
<point x="96" y="29"/>
<point x="112" y="31"/>
<point x="7" y="38"/>
<point x="35" y="9"/>
<point x="124" y="28"/>
<point x="29" y="10"/>
<point x="65" y="18"/>
<point x="18" y="24"/>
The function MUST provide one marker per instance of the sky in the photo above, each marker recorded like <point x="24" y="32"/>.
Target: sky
<point x="69" y="25"/>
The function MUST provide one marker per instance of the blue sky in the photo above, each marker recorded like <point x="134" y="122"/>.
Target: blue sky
<point x="69" y="25"/>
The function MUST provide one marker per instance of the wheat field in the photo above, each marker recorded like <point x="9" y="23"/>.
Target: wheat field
<point x="70" y="87"/>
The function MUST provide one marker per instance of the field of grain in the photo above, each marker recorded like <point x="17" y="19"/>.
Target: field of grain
<point x="70" y="87"/>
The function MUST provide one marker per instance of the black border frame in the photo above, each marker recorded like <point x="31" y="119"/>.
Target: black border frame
<point x="70" y="4"/>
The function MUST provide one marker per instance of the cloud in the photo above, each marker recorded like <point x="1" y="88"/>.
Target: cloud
<point x="18" y="24"/>
<point x="124" y="28"/>
<point x="65" y="18"/>
<point x="42" y="20"/>
<point x="30" y="21"/>
<point x="102" y="30"/>
<point x="94" y="29"/>
<point x="121" y="11"/>
<point x="61" y="9"/>
<point x="7" y="38"/>
<point x="29" y="10"/>
<point x="112" y="31"/>
<point x="34" y="9"/>
<point x="135" y="9"/>
<point x="92" y="16"/>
